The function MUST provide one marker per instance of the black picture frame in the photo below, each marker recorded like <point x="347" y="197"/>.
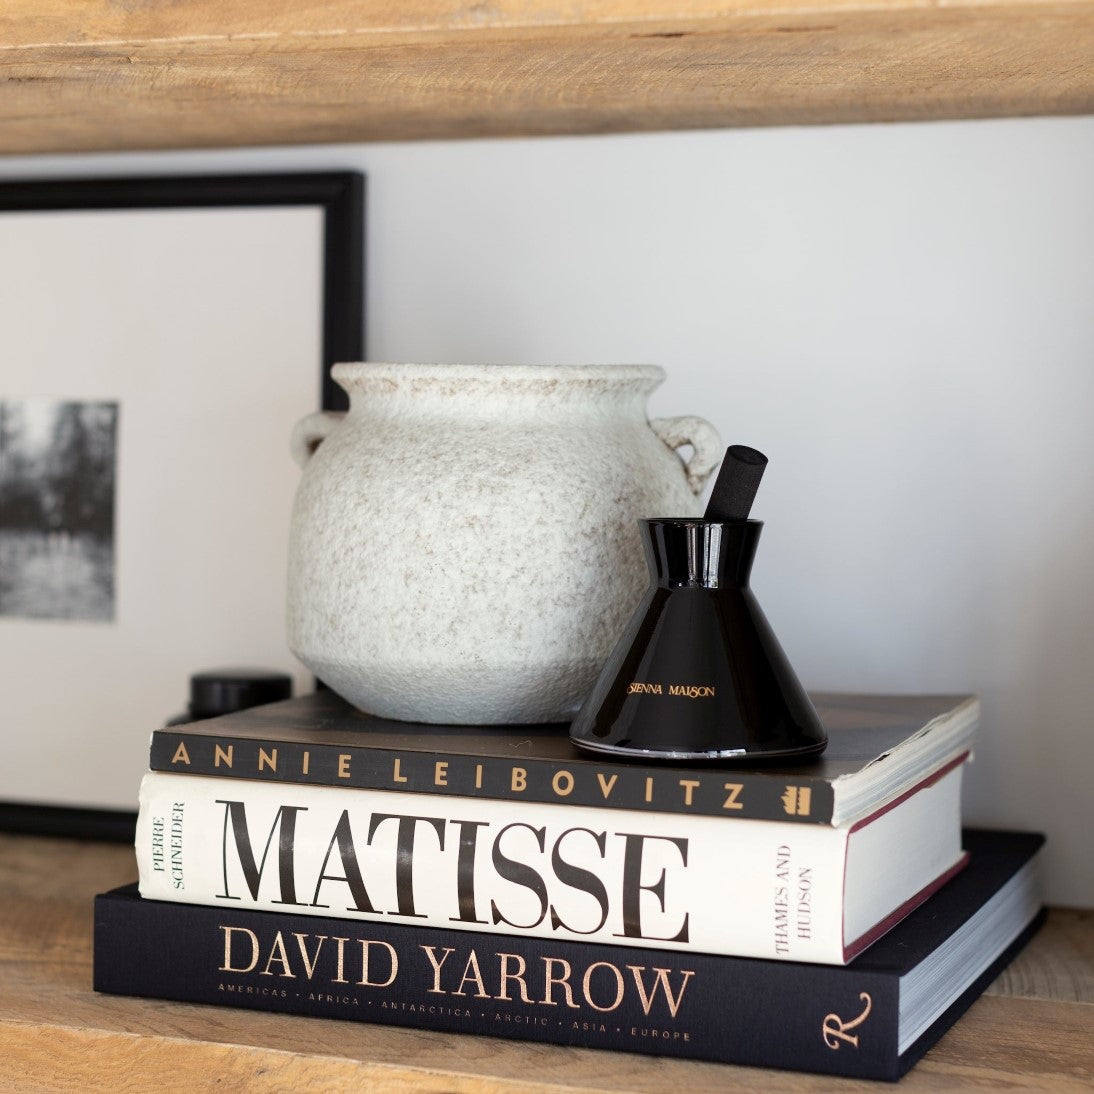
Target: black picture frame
<point x="340" y="196"/>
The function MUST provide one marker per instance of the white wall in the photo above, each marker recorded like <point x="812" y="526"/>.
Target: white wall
<point x="902" y="317"/>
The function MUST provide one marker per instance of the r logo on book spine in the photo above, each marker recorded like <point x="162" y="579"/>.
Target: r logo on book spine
<point x="834" y="1028"/>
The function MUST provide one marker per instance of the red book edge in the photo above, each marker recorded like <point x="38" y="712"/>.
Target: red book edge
<point x="863" y="942"/>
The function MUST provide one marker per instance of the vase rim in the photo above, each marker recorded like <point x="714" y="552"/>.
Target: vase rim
<point x="356" y="373"/>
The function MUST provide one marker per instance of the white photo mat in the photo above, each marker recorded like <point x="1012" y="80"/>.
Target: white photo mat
<point x="205" y="327"/>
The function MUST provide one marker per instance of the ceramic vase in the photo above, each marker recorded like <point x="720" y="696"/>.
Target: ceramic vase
<point x="464" y="544"/>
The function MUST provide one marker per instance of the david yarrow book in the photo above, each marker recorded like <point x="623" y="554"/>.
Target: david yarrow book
<point x="878" y="746"/>
<point x="796" y="892"/>
<point x="871" y="1019"/>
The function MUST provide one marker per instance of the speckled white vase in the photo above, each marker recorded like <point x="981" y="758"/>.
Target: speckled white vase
<point x="464" y="546"/>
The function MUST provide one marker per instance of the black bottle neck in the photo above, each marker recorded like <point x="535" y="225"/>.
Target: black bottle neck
<point x="707" y="554"/>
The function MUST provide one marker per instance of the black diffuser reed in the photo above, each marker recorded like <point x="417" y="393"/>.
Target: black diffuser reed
<point x="736" y="485"/>
<point x="698" y="674"/>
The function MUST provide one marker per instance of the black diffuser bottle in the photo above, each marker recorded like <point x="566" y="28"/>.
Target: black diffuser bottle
<point x="698" y="674"/>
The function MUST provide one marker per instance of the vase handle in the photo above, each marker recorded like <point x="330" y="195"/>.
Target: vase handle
<point x="703" y="438"/>
<point x="310" y="432"/>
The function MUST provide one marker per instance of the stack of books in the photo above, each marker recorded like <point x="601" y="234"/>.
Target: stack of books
<point x="829" y="917"/>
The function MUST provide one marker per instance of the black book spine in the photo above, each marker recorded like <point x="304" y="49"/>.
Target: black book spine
<point x="826" y="1019"/>
<point x="716" y="792"/>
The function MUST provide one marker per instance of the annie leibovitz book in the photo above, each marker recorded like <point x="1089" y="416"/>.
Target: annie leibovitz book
<point x="663" y="880"/>
<point x="878" y="745"/>
<point x="872" y="1018"/>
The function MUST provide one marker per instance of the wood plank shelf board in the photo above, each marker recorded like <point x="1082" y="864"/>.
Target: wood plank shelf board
<point x="103" y="75"/>
<point x="1033" y="1030"/>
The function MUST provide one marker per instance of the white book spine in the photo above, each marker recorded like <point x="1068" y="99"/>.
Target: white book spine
<point x="663" y="880"/>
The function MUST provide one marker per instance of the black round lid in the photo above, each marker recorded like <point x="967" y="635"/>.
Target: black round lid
<point x="221" y="691"/>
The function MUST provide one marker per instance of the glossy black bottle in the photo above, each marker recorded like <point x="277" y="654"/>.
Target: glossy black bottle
<point x="698" y="673"/>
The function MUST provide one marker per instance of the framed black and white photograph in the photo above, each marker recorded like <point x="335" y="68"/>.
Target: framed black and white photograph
<point x="159" y="337"/>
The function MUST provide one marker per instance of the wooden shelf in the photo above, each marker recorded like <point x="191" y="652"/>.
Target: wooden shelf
<point x="1033" y="1030"/>
<point x="109" y="75"/>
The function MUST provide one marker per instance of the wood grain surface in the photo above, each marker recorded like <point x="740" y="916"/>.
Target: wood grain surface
<point x="1034" y="1030"/>
<point x="104" y="74"/>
